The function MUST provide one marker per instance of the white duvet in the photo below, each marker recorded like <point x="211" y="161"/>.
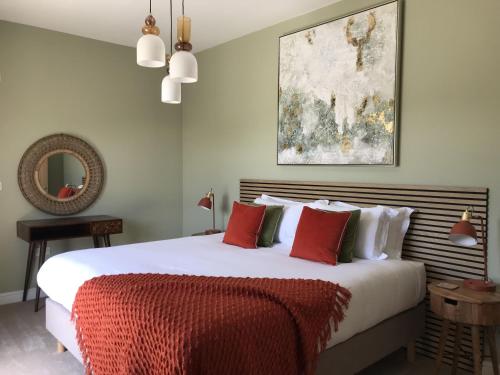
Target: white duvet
<point x="380" y="289"/>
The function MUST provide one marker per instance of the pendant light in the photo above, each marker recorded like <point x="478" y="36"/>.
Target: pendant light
<point x="183" y="64"/>
<point x="170" y="90"/>
<point x="150" y="47"/>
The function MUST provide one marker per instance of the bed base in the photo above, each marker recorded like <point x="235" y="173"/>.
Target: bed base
<point x="370" y="346"/>
<point x="348" y="357"/>
<point x="58" y="323"/>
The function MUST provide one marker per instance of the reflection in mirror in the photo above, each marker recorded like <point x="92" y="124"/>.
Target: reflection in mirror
<point x="61" y="175"/>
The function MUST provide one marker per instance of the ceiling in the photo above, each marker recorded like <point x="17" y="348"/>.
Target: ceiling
<point x="120" y="21"/>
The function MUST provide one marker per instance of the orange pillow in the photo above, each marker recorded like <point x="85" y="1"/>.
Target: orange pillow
<point x="319" y="235"/>
<point x="244" y="225"/>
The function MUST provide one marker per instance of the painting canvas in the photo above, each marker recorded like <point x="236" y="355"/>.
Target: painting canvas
<point x="338" y="91"/>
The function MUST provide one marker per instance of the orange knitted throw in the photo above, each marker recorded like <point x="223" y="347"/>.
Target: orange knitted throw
<point x="169" y="324"/>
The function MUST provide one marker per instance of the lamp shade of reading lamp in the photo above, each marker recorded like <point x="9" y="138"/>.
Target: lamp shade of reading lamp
<point x="208" y="203"/>
<point x="205" y="203"/>
<point x="463" y="233"/>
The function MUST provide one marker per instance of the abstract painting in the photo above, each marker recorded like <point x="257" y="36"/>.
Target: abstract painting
<point x="338" y="91"/>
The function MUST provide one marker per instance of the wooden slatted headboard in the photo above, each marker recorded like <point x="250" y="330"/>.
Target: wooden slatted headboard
<point x="437" y="209"/>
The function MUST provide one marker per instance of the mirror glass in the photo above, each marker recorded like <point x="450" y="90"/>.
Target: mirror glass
<point x="61" y="175"/>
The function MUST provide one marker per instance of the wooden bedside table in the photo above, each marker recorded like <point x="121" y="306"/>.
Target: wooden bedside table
<point x="466" y="307"/>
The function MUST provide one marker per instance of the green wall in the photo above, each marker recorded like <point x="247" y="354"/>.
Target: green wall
<point x="157" y="169"/>
<point x="53" y="82"/>
<point x="450" y="117"/>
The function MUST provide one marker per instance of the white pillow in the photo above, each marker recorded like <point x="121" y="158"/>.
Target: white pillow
<point x="399" y="223"/>
<point x="372" y="231"/>
<point x="270" y="198"/>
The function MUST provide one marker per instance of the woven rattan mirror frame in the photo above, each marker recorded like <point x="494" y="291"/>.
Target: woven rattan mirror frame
<point x="51" y="144"/>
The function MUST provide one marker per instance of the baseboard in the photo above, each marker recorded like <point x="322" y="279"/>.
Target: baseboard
<point x="17" y="296"/>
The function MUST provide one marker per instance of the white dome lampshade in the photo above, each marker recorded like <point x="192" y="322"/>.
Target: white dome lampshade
<point x="183" y="67"/>
<point x="170" y="91"/>
<point x="150" y="51"/>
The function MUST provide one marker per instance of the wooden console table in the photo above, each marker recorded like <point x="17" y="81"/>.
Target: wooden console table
<point x="38" y="232"/>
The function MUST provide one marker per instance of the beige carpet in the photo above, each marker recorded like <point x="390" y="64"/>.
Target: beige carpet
<point x="27" y="348"/>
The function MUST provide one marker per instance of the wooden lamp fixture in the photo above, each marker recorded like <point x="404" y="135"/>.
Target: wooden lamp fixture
<point x="183" y="64"/>
<point x="208" y="203"/>
<point x="150" y="47"/>
<point x="463" y="233"/>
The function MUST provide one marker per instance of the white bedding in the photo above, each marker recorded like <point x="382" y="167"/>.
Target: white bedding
<point x="380" y="289"/>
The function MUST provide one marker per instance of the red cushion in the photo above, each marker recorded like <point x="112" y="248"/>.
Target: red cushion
<point x="65" y="192"/>
<point x="319" y="235"/>
<point x="244" y="225"/>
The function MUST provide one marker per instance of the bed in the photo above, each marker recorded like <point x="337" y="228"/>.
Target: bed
<point x="387" y="287"/>
<point x="395" y="320"/>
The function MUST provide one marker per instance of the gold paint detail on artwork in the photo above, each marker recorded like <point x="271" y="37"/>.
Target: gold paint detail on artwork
<point x="360" y="43"/>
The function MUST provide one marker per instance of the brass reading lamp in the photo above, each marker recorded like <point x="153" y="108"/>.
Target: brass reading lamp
<point x="463" y="233"/>
<point x="208" y="203"/>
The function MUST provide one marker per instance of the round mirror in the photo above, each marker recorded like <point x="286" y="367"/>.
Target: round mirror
<point x="61" y="175"/>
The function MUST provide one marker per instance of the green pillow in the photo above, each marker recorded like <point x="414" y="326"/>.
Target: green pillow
<point x="270" y="224"/>
<point x="349" y="240"/>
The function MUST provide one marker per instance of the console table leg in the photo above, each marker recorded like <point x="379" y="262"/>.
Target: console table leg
<point x="96" y="241"/>
<point x="107" y="241"/>
<point x="41" y="259"/>
<point x="29" y="266"/>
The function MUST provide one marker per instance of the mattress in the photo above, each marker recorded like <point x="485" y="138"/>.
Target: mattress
<point x="380" y="289"/>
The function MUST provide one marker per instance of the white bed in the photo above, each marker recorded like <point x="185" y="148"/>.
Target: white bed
<point x="380" y="289"/>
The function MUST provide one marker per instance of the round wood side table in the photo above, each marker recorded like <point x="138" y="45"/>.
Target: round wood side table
<point x="466" y="307"/>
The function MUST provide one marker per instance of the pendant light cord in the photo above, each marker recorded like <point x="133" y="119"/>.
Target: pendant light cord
<point x="182" y="7"/>
<point x="171" y="32"/>
<point x="149" y="6"/>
